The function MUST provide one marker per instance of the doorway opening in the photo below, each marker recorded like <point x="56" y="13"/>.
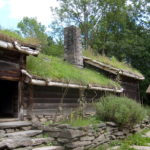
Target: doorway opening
<point x="8" y="99"/>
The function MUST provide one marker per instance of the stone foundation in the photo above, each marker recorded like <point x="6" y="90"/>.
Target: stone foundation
<point x="82" y="138"/>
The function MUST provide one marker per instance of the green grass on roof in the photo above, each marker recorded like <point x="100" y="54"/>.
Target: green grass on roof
<point x="56" y="69"/>
<point x="112" y="62"/>
<point x="13" y="35"/>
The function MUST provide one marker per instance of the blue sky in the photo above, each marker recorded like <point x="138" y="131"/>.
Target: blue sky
<point x="12" y="11"/>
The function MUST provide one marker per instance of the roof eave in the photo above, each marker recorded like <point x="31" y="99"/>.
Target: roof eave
<point x="15" y="46"/>
<point x="148" y="90"/>
<point x="111" y="69"/>
<point x="42" y="82"/>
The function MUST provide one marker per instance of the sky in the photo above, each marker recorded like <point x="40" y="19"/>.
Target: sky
<point x="12" y="11"/>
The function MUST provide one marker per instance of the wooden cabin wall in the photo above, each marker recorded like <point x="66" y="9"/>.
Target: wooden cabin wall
<point x="10" y="64"/>
<point x="105" y="73"/>
<point x="47" y="100"/>
<point x="130" y="85"/>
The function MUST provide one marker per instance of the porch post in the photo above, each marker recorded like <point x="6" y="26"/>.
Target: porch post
<point x="20" y="101"/>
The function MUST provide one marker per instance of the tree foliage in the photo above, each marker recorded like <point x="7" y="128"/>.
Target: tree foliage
<point x="31" y="28"/>
<point x="119" y="28"/>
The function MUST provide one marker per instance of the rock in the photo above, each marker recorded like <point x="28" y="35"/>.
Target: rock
<point x="28" y="133"/>
<point x="17" y="142"/>
<point x="100" y="138"/>
<point x="78" y="148"/>
<point x="51" y="129"/>
<point x="63" y="140"/>
<point x="101" y="125"/>
<point x="87" y="138"/>
<point x="114" y="148"/>
<point x="112" y="124"/>
<point x="141" y="147"/>
<point x="69" y="133"/>
<point x="147" y="134"/>
<point x="43" y="120"/>
<point x="16" y="124"/>
<point x="2" y="145"/>
<point x="26" y="148"/>
<point x="78" y="144"/>
<point x="26" y="128"/>
<point x="2" y="133"/>
<point x="112" y="137"/>
<point x="9" y="130"/>
<point x="49" y="148"/>
<point x="39" y="141"/>
<point x="54" y="134"/>
<point x="62" y="126"/>
<point x="119" y="134"/>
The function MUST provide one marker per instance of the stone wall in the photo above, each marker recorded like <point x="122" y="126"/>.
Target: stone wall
<point x="82" y="138"/>
<point x="72" y="46"/>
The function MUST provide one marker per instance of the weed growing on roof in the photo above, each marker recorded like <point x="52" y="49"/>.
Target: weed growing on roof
<point x="13" y="35"/>
<point x="58" y="70"/>
<point x="111" y="61"/>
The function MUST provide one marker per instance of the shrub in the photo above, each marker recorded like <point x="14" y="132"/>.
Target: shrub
<point x="121" y="110"/>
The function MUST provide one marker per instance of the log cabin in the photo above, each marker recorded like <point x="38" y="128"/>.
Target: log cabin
<point x="34" y="84"/>
<point x="129" y="79"/>
<point x="13" y="56"/>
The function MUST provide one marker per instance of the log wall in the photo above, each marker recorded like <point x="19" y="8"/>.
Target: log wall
<point x="10" y="65"/>
<point x="130" y="85"/>
<point x="47" y="100"/>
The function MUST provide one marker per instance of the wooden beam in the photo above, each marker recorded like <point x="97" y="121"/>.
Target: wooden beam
<point x="20" y="100"/>
<point x="17" y="47"/>
<point x="40" y="82"/>
<point x="112" y="69"/>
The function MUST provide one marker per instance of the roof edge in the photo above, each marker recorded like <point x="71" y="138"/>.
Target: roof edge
<point x="112" y="69"/>
<point x="148" y="90"/>
<point x="15" y="46"/>
<point x="42" y="82"/>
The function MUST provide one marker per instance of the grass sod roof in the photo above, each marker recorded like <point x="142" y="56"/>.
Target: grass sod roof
<point x="11" y="36"/>
<point x="113" y="62"/>
<point x="50" y="67"/>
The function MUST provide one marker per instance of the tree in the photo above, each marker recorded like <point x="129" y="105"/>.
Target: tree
<point x="31" y="28"/>
<point x="82" y="13"/>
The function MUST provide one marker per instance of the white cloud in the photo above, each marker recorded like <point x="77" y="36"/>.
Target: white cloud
<point x="32" y="8"/>
<point x="2" y="3"/>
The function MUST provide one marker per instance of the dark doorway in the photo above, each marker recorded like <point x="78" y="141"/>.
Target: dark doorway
<point x="8" y="99"/>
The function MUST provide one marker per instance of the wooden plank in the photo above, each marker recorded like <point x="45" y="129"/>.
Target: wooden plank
<point x="53" y="100"/>
<point x="53" y="105"/>
<point x="9" y="78"/>
<point x="30" y="104"/>
<point x="8" y="55"/>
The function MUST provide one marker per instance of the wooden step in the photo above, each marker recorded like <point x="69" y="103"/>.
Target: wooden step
<point x="8" y="119"/>
<point x="14" y="124"/>
<point x="49" y="148"/>
<point x="28" y="133"/>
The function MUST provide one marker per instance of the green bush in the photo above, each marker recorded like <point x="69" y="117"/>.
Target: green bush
<point x="121" y="110"/>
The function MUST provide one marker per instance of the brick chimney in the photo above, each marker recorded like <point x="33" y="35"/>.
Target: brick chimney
<point x="72" y="46"/>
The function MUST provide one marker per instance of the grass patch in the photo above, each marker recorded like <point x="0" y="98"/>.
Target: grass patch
<point x="81" y="122"/>
<point x="58" y="70"/>
<point x="11" y="35"/>
<point x="111" y="61"/>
